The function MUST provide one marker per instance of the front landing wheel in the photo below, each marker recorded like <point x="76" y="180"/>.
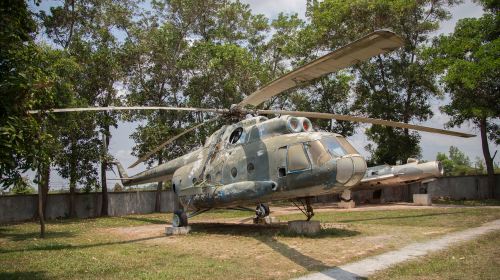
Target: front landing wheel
<point x="180" y="219"/>
<point x="262" y="210"/>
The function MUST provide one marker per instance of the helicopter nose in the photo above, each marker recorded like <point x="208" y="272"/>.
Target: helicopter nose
<point x="350" y="169"/>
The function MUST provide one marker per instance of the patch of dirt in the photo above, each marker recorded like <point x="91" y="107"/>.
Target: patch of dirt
<point x="138" y="232"/>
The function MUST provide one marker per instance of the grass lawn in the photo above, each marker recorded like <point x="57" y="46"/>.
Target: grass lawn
<point x="484" y="202"/>
<point x="477" y="259"/>
<point x="133" y="246"/>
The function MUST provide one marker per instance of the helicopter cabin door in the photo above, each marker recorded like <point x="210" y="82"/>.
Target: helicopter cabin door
<point x="281" y="164"/>
<point x="298" y="166"/>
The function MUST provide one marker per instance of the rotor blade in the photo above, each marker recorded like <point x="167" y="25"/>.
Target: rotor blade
<point x="162" y="145"/>
<point x="114" y="108"/>
<point x="378" y="42"/>
<point x="316" y="115"/>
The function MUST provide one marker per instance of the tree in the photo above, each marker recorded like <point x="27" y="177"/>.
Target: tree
<point x="156" y="78"/>
<point x="458" y="157"/>
<point x="22" y="187"/>
<point x="17" y="133"/>
<point x="397" y="86"/>
<point x="87" y="30"/>
<point x="479" y="165"/>
<point x="457" y="163"/>
<point x="469" y="59"/>
<point x="446" y="162"/>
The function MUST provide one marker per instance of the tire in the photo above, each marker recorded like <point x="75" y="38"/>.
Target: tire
<point x="262" y="210"/>
<point x="266" y="207"/>
<point x="179" y="219"/>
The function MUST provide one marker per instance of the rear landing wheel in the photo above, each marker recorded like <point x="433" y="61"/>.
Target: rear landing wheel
<point x="179" y="219"/>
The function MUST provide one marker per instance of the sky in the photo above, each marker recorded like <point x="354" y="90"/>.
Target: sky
<point x="121" y="144"/>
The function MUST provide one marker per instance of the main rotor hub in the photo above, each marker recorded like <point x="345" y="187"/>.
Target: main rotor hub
<point x="237" y="111"/>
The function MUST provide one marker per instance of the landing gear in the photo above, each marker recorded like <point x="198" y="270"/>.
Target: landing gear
<point x="180" y="219"/>
<point x="262" y="210"/>
<point x="306" y="207"/>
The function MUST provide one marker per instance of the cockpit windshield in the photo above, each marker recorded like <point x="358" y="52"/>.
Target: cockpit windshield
<point x="317" y="153"/>
<point x="333" y="146"/>
<point x="346" y="145"/>
<point x="338" y="146"/>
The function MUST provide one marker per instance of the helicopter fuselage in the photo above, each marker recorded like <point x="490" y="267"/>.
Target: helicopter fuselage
<point x="260" y="160"/>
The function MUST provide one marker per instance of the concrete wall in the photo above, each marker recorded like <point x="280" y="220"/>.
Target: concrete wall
<point x="24" y="207"/>
<point x="456" y="188"/>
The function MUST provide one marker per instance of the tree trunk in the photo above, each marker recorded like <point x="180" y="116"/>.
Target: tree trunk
<point x="72" y="179"/>
<point x="158" y="197"/>
<point x="40" y="202"/>
<point x="45" y="188"/>
<point x="158" y="191"/>
<point x="72" y="187"/>
<point x="487" y="157"/>
<point x="40" y="211"/>
<point x="104" y="167"/>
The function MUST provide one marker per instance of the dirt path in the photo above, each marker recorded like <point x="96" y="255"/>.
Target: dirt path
<point x="369" y="266"/>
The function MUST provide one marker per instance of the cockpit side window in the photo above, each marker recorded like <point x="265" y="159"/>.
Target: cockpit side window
<point x="333" y="146"/>
<point x="237" y="136"/>
<point x="296" y="158"/>
<point x="317" y="153"/>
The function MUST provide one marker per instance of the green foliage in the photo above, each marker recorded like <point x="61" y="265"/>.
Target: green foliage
<point x="448" y="164"/>
<point x="32" y="77"/>
<point x="469" y="60"/>
<point x="22" y="186"/>
<point x="457" y="163"/>
<point x="398" y="86"/>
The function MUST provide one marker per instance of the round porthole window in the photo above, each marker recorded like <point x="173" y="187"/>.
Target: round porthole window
<point x="250" y="167"/>
<point x="234" y="172"/>
<point x="236" y="135"/>
<point x="194" y="181"/>
<point x="208" y="178"/>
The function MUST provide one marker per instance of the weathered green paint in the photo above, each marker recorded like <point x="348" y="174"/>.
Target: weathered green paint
<point x="242" y="172"/>
<point x="225" y="174"/>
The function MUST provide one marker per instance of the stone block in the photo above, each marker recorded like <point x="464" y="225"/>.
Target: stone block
<point x="304" y="227"/>
<point x="266" y="220"/>
<point x="271" y="220"/>
<point x="346" y="204"/>
<point x="422" y="199"/>
<point x="177" y="230"/>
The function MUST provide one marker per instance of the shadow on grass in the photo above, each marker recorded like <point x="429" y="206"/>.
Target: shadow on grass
<point x="252" y="230"/>
<point x="146" y="220"/>
<point x="57" y="247"/>
<point x="307" y="262"/>
<point x="23" y="275"/>
<point x="399" y="217"/>
<point x="267" y="234"/>
<point x="6" y="233"/>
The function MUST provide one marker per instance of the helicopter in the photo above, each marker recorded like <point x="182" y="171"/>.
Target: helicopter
<point x="258" y="159"/>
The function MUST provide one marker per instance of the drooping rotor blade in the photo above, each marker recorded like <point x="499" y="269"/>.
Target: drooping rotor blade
<point x="162" y="145"/>
<point x="378" y="42"/>
<point x="117" y="108"/>
<point x="316" y="115"/>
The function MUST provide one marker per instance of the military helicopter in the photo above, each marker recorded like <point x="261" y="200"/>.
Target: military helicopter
<point x="258" y="159"/>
